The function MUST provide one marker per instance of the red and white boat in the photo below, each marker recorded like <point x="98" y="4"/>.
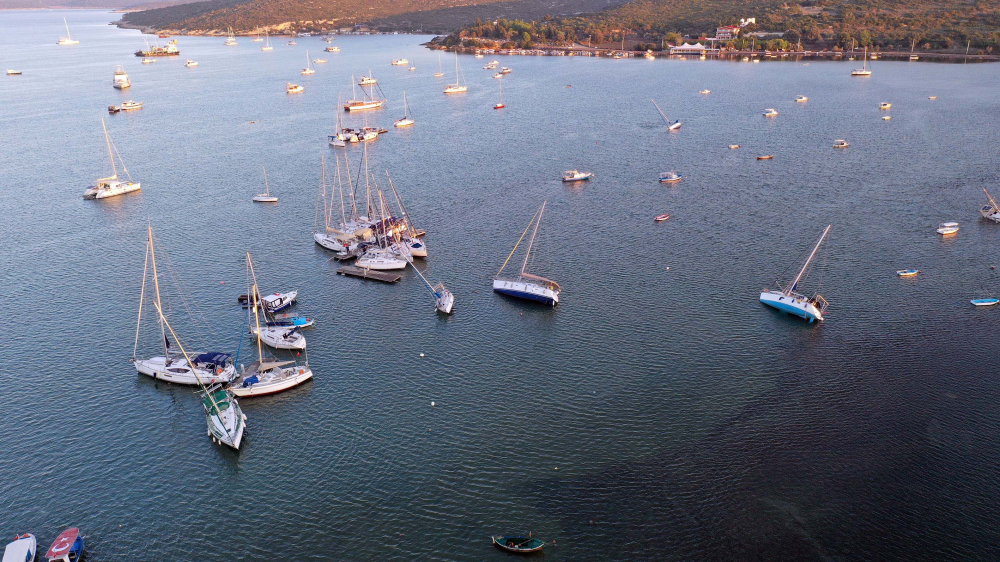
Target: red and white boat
<point x="661" y="218"/>
<point x="68" y="546"/>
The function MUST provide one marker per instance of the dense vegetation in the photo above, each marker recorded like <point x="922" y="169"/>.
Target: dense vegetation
<point x="818" y="24"/>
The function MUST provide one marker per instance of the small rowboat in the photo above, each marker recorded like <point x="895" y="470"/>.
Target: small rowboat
<point x="519" y="545"/>
<point x="907" y="272"/>
<point x="984" y="302"/>
<point x="661" y="218"/>
<point x="766" y="157"/>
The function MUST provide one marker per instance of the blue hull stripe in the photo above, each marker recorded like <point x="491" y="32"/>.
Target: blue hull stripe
<point x="526" y="296"/>
<point x="795" y="311"/>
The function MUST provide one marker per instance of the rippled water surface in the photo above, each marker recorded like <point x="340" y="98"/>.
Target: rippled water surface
<point x="659" y="412"/>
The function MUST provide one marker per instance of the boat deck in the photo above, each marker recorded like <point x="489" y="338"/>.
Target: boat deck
<point x="384" y="276"/>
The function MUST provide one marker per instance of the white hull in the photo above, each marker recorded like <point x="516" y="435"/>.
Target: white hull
<point x="265" y="199"/>
<point x="227" y="425"/>
<point x="363" y="106"/>
<point x="179" y="372"/>
<point x="991" y="213"/>
<point x="455" y="89"/>
<point x="380" y="260"/>
<point x="281" y="338"/>
<point x="445" y="302"/>
<point x="329" y="242"/>
<point x="113" y="189"/>
<point x="403" y="122"/>
<point x="526" y="290"/>
<point x="274" y="380"/>
<point x="793" y="304"/>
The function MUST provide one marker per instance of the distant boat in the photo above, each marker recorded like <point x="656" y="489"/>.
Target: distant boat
<point x="267" y="46"/>
<point x="191" y="63"/>
<point x="991" y="211"/>
<point x="884" y="105"/>
<point x="500" y="104"/>
<point x="68" y="40"/>
<point x="120" y="79"/>
<point x="258" y="38"/>
<point x="518" y="545"/>
<point x="367" y="101"/>
<point x="801" y="99"/>
<point x="907" y="272"/>
<point x="265" y="197"/>
<point x="399" y="62"/>
<point x="733" y="146"/>
<point x="788" y="300"/>
<point x="526" y="285"/>
<point x="576" y="175"/>
<point x="407" y="119"/>
<point x="368" y="80"/>
<point x="231" y="40"/>
<point x="766" y="157"/>
<point x="932" y="97"/>
<point x="864" y="70"/>
<point x="308" y="69"/>
<point x="661" y="218"/>
<point x="887" y="117"/>
<point x="332" y="49"/>
<point x="505" y="70"/>
<point x="984" y="302"/>
<point x="319" y="61"/>
<point x="68" y="547"/>
<point x="291" y="42"/>
<point x="440" y="72"/>
<point x="770" y="112"/>
<point x="13" y="72"/>
<point x="294" y="88"/>
<point x="841" y="143"/>
<point x="946" y="228"/>
<point x="131" y="105"/>
<point x="675" y="126"/>
<point x="111" y="186"/>
<point x="148" y="60"/>
<point x="22" y="549"/>
<point x="670" y="177"/>
<point x="706" y="92"/>
<point x="457" y="87"/>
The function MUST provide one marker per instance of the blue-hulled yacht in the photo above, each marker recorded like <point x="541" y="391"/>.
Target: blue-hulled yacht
<point x="525" y="285"/>
<point x="789" y="301"/>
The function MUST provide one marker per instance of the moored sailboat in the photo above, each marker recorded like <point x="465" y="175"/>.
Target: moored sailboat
<point x="458" y="87"/>
<point x="674" y="126"/>
<point x="407" y="119"/>
<point x="68" y="40"/>
<point x="265" y="197"/>
<point x="991" y="211"/>
<point x="111" y="186"/>
<point x="525" y="285"/>
<point x="788" y="300"/>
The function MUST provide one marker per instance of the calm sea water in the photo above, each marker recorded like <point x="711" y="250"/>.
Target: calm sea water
<point x="659" y="412"/>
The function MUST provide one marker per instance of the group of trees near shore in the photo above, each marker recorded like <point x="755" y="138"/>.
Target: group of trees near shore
<point x="818" y="24"/>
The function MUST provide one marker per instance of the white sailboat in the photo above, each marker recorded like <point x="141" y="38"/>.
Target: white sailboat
<point x="257" y="38"/>
<point x="276" y="336"/>
<point x="202" y="368"/>
<point x="265" y="197"/>
<point x="231" y="40"/>
<point x="864" y="70"/>
<point x="439" y="73"/>
<point x="675" y="126"/>
<point x="500" y="104"/>
<point x="991" y="211"/>
<point x="111" y="186"/>
<point x="267" y="46"/>
<point x="458" y="87"/>
<point x="68" y="40"/>
<point x="406" y="233"/>
<point x="788" y="300"/>
<point x="444" y="300"/>
<point x="309" y="67"/>
<point x="407" y="119"/>
<point x="367" y="101"/>
<point x="525" y="285"/>
<point x="265" y="375"/>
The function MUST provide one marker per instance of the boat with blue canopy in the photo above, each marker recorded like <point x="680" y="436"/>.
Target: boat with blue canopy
<point x="788" y="300"/>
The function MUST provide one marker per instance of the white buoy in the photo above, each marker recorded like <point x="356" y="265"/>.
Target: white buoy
<point x="432" y="403"/>
<point x="421" y="354"/>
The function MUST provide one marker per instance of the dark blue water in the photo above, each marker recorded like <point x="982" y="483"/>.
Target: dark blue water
<point x="659" y="412"/>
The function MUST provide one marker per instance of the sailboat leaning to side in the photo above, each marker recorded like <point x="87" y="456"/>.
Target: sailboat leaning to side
<point x="789" y="301"/>
<point x="111" y="186"/>
<point x="991" y="211"/>
<point x="278" y="335"/>
<point x="675" y="126"/>
<point x="173" y="367"/>
<point x="526" y="285"/>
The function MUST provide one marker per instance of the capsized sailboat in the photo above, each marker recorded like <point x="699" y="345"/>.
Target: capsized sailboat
<point x="111" y="186"/>
<point x="174" y="367"/>
<point x="525" y="285"/>
<point x="991" y="211"/>
<point x="788" y="300"/>
<point x="674" y="126"/>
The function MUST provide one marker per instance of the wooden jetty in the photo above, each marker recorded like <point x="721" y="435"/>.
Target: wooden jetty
<point x="384" y="276"/>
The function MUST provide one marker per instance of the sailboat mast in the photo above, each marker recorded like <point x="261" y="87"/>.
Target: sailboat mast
<point x="107" y="139"/>
<point x="992" y="202"/>
<point x="156" y="285"/>
<point x="368" y="189"/>
<point x="808" y="260"/>
<point x="142" y="298"/>
<point x="267" y="189"/>
<point x="532" y="241"/>
<point x="256" y="316"/>
<point x="340" y="186"/>
<point x="68" y="36"/>
<point x="326" y="205"/>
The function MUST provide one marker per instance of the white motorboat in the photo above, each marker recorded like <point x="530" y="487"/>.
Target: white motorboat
<point x="291" y="43"/>
<point x="505" y="70"/>
<point x="111" y="186"/>
<point x="801" y="99"/>
<point x="369" y="80"/>
<point x="705" y="92"/>
<point x="947" y="228"/>
<point x="277" y="302"/>
<point x="841" y="143"/>
<point x="269" y="377"/>
<point x="576" y="175"/>
<point x="68" y="40"/>
<point x="120" y="79"/>
<point x="130" y="105"/>
<point x="864" y="70"/>
<point x="458" y="87"/>
<point x="148" y="60"/>
<point x="525" y="285"/>
<point x="265" y="197"/>
<point x="991" y="211"/>
<point x="498" y="76"/>
<point x="885" y="105"/>
<point x="319" y="61"/>
<point x="293" y="88"/>
<point x="887" y="117"/>
<point x="399" y="62"/>
<point x="231" y="39"/>
<point x="407" y="119"/>
<point x="332" y="49"/>
<point x="670" y="177"/>
<point x="789" y="301"/>
<point x="308" y="69"/>
<point x="11" y="72"/>
<point x="733" y="146"/>
<point x="190" y="63"/>
<point x="770" y="112"/>
<point x="23" y="548"/>
<point x="380" y="259"/>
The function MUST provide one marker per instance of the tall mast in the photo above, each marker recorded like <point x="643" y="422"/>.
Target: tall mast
<point x="326" y="205"/>
<point x="402" y="208"/>
<point x="532" y="241"/>
<point x="111" y="155"/>
<point x="142" y="298"/>
<point x="253" y="295"/>
<point x="68" y="36"/>
<point x="992" y="202"/>
<point x="791" y="287"/>
<point x="156" y="285"/>
<point x="354" y="202"/>
<point x="368" y="190"/>
<point x="354" y="90"/>
<point x="267" y="189"/>
<point x="340" y="186"/>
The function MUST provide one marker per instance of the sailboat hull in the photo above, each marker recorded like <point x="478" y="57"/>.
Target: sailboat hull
<point x="281" y="338"/>
<point x="113" y="189"/>
<point x="273" y="382"/>
<point x="794" y="305"/>
<point x="227" y="424"/>
<point x="527" y="291"/>
<point x="179" y="372"/>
